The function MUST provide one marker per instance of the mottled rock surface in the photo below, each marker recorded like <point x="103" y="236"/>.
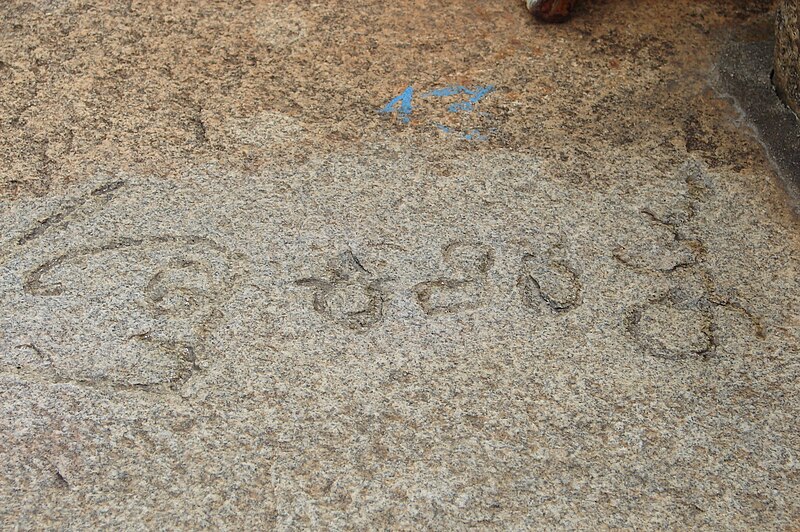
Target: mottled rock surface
<point x="787" y="53"/>
<point x="555" y="285"/>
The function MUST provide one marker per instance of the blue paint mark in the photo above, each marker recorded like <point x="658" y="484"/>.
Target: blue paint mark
<point x="474" y="134"/>
<point x="404" y="102"/>
<point x="403" y="106"/>
<point x="475" y="94"/>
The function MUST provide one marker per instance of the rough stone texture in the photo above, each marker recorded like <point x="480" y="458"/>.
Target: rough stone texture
<point x="233" y="294"/>
<point x="787" y="53"/>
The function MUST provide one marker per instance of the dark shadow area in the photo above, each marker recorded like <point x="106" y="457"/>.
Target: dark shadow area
<point x="745" y="73"/>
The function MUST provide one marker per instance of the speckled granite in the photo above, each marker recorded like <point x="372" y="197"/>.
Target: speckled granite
<point x="787" y="53"/>
<point x="555" y="285"/>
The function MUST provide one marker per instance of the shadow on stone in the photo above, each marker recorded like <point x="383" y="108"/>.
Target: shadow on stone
<point x="744" y="72"/>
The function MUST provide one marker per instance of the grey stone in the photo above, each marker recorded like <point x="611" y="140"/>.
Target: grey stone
<point x="787" y="53"/>
<point x="743" y="73"/>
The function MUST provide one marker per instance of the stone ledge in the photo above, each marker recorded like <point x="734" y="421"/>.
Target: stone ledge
<point x="787" y="54"/>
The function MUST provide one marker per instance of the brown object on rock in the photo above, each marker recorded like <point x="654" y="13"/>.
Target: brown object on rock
<point x="551" y="10"/>
<point x="787" y="54"/>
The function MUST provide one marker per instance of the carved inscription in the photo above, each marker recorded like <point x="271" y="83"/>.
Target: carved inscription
<point x="469" y="264"/>
<point x="674" y="326"/>
<point x="690" y="320"/>
<point x="549" y="282"/>
<point x="90" y="202"/>
<point x="152" y="302"/>
<point x="347" y="293"/>
<point x="684" y="322"/>
<point x="148" y="304"/>
<point x="665" y="242"/>
<point x="661" y="246"/>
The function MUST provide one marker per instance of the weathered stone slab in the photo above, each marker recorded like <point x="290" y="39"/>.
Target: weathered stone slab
<point x="263" y="313"/>
<point x="368" y="265"/>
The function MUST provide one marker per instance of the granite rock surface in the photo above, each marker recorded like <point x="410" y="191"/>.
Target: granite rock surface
<point x="787" y="53"/>
<point x="417" y="265"/>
